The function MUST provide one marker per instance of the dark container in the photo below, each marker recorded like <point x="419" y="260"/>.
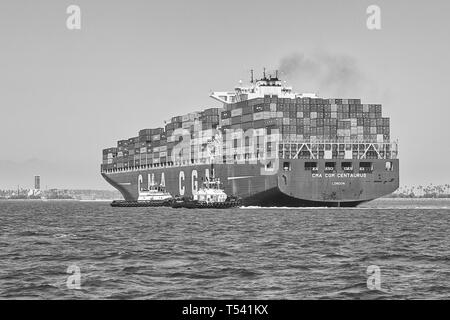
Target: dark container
<point x="247" y="110"/>
<point x="145" y="132"/>
<point x="247" y="118"/>
<point x="177" y="119"/>
<point x="236" y="120"/>
<point x="258" y="124"/>
<point x="247" y="125"/>
<point x="258" y="108"/>
<point x="225" y="114"/>
<point x="211" y="112"/>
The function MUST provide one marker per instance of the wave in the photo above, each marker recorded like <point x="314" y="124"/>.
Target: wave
<point x="30" y="233"/>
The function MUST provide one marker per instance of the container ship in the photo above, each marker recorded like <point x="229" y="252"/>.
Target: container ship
<point x="269" y="146"/>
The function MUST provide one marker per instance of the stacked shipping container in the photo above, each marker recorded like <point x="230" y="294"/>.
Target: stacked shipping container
<point x="309" y="119"/>
<point x="299" y="119"/>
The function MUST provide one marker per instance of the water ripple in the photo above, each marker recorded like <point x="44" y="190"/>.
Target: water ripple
<point x="287" y="253"/>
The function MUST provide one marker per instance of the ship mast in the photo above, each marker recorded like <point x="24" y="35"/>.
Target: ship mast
<point x="211" y="147"/>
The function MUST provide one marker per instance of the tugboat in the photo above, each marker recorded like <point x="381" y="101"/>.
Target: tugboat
<point x="210" y="196"/>
<point x="155" y="196"/>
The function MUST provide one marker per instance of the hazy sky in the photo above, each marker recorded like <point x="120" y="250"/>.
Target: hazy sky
<point x="65" y="95"/>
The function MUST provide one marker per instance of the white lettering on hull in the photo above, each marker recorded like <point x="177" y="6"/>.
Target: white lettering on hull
<point x="139" y="182"/>
<point x="339" y="175"/>
<point x="150" y="180"/>
<point x="194" y="181"/>
<point x="181" y="183"/>
<point x="163" y="179"/>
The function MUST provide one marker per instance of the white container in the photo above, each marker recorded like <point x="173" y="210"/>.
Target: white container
<point x="236" y="134"/>
<point x="171" y="138"/>
<point x="187" y="124"/>
<point x="258" y="116"/>
<point x="259" y="132"/>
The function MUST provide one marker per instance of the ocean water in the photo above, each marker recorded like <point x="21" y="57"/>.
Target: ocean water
<point x="249" y="253"/>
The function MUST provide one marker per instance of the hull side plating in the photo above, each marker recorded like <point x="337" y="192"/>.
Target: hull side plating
<point x="292" y="184"/>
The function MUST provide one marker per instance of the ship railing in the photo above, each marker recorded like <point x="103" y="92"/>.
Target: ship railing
<point x="357" y="149"/>
<point x="184" y="163"/>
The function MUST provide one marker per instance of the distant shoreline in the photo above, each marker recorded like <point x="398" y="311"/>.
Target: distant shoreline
<point x="411" y="198"/>
<point x="443" y="196"/>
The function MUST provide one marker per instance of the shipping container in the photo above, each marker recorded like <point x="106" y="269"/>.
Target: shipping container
<point x="226" y="122"/>
<point x="258" y="116"/>
<point x="177" y="119"/>
<point x="211" y="112"/>
<point x="236" y="119"/>
<point x="259" y="124"/>
<point x="225" y="114"/>
<point x="247" y="110"/>
<point x="247" y="125"/>
<point x="236" y="112"/>
<point x="247" y="117"/>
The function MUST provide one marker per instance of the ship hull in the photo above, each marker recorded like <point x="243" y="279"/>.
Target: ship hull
<point x="286" y="183"/>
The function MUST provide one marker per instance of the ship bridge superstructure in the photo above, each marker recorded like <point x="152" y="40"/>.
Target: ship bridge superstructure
<point x="266" y="86"/>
